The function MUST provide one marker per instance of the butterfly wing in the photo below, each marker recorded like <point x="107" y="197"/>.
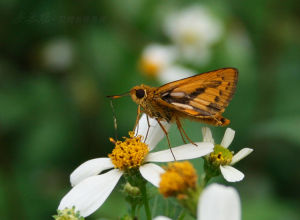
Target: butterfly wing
<point x="201" y="96"/>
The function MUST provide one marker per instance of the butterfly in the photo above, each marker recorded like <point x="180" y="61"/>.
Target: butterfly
<point x="201" y="98"/>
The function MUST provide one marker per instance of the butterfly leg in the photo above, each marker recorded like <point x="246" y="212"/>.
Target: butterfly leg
<point x="148" y="127"/>
<point x="166" y="133"/>
<point x="137" y="119"/>
<point x="180" y="128"/>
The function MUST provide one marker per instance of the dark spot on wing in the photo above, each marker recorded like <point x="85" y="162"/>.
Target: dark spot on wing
<point x="214" y="83"/>
<point x="168" y="98"/>
<point x="214" y="107"/>
<point x="202" y="112"/>
<point x="217" y="99"/>
<point x="183" y="100"/>
<point x="197" y="92"/>
<point x="166" y="95"/>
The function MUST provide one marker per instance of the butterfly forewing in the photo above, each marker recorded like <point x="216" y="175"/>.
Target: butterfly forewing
<point x="203" y="95"/>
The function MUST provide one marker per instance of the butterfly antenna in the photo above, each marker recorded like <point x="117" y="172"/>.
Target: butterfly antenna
<point x="113" y="110"/>
<point x="115" y="119"/>
<point x="118" y="96"/>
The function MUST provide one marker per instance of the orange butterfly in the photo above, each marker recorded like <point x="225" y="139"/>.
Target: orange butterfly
<point x="202" y="98"/>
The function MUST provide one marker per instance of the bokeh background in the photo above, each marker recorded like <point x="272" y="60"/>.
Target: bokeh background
<point x="59" y="60"/>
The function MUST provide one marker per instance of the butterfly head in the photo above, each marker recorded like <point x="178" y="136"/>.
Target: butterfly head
<point x="139" y="94"/>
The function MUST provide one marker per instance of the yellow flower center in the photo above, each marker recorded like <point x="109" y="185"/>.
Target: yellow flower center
<point x="189" y="37"/>
<point x="130" y="153"/>
<point x="178" y="178"/>
<point x="149" y="67"/>
<point x="220" y="156"/>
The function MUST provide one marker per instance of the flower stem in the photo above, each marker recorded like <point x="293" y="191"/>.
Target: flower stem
<point x="145" y="200"/>
<point x="133" y="207"/>
<point x="190" y="202"/>
<point x="181" y="216"/>
<point x="205" y="179"/>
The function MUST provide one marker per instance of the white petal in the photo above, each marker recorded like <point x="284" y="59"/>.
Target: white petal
<point x="184" y="152"/>
<point x="196" y="54"/>
<point x="207" y="136"/>
<point x="90" y="168"/>
<point x="219" y="202"/>
<point x="196" y="21"/>
<point x="91" y="193"/>
<point x="155" y="133"/>
<point x="159" y="55"/>
<point x="240" y="155"/>
<point x="228" y="137"/>
<point x="162" y="218"/>
<point x="231" y="174"/>
<point x="151" y="172"/>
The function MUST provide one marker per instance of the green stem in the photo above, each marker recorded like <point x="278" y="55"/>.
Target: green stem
<point x="145" y="200"/>
<point x="133" y="207"/>
<point x="206" y="179"/>
<point x="190" y="202"/>
<point x="182" y="215"/>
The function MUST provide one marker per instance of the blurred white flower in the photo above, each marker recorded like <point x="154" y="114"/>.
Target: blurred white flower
<point x="57" y="55"/>
<point x="194" y="30"/>
<point x="162" y="218"/>
<point x="222" y="158"/>
<point x="173" y="73"/>
<point x="218" y="202"/>
<point x="156" y="57"/>
<point x="91" y="189"/>
<point x="159" y="61"/>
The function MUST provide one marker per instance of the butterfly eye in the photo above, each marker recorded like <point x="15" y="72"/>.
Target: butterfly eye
<point x="140" y="93"/>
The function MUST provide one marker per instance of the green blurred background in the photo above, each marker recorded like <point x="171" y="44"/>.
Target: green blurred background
<point x="59" y="60"/>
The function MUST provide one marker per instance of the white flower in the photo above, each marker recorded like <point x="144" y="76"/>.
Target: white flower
<point x="91" y="189"/>
<point x="173" y="73"/>
<point x="58" y="54"/>
<point x="158" y="61"/>
<point x="194" y="30"/>
<point x="218" y="202"/>
<point x="229" y="173"/>
<point x="156" y="57"/>
<point x="162" y="218"/>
